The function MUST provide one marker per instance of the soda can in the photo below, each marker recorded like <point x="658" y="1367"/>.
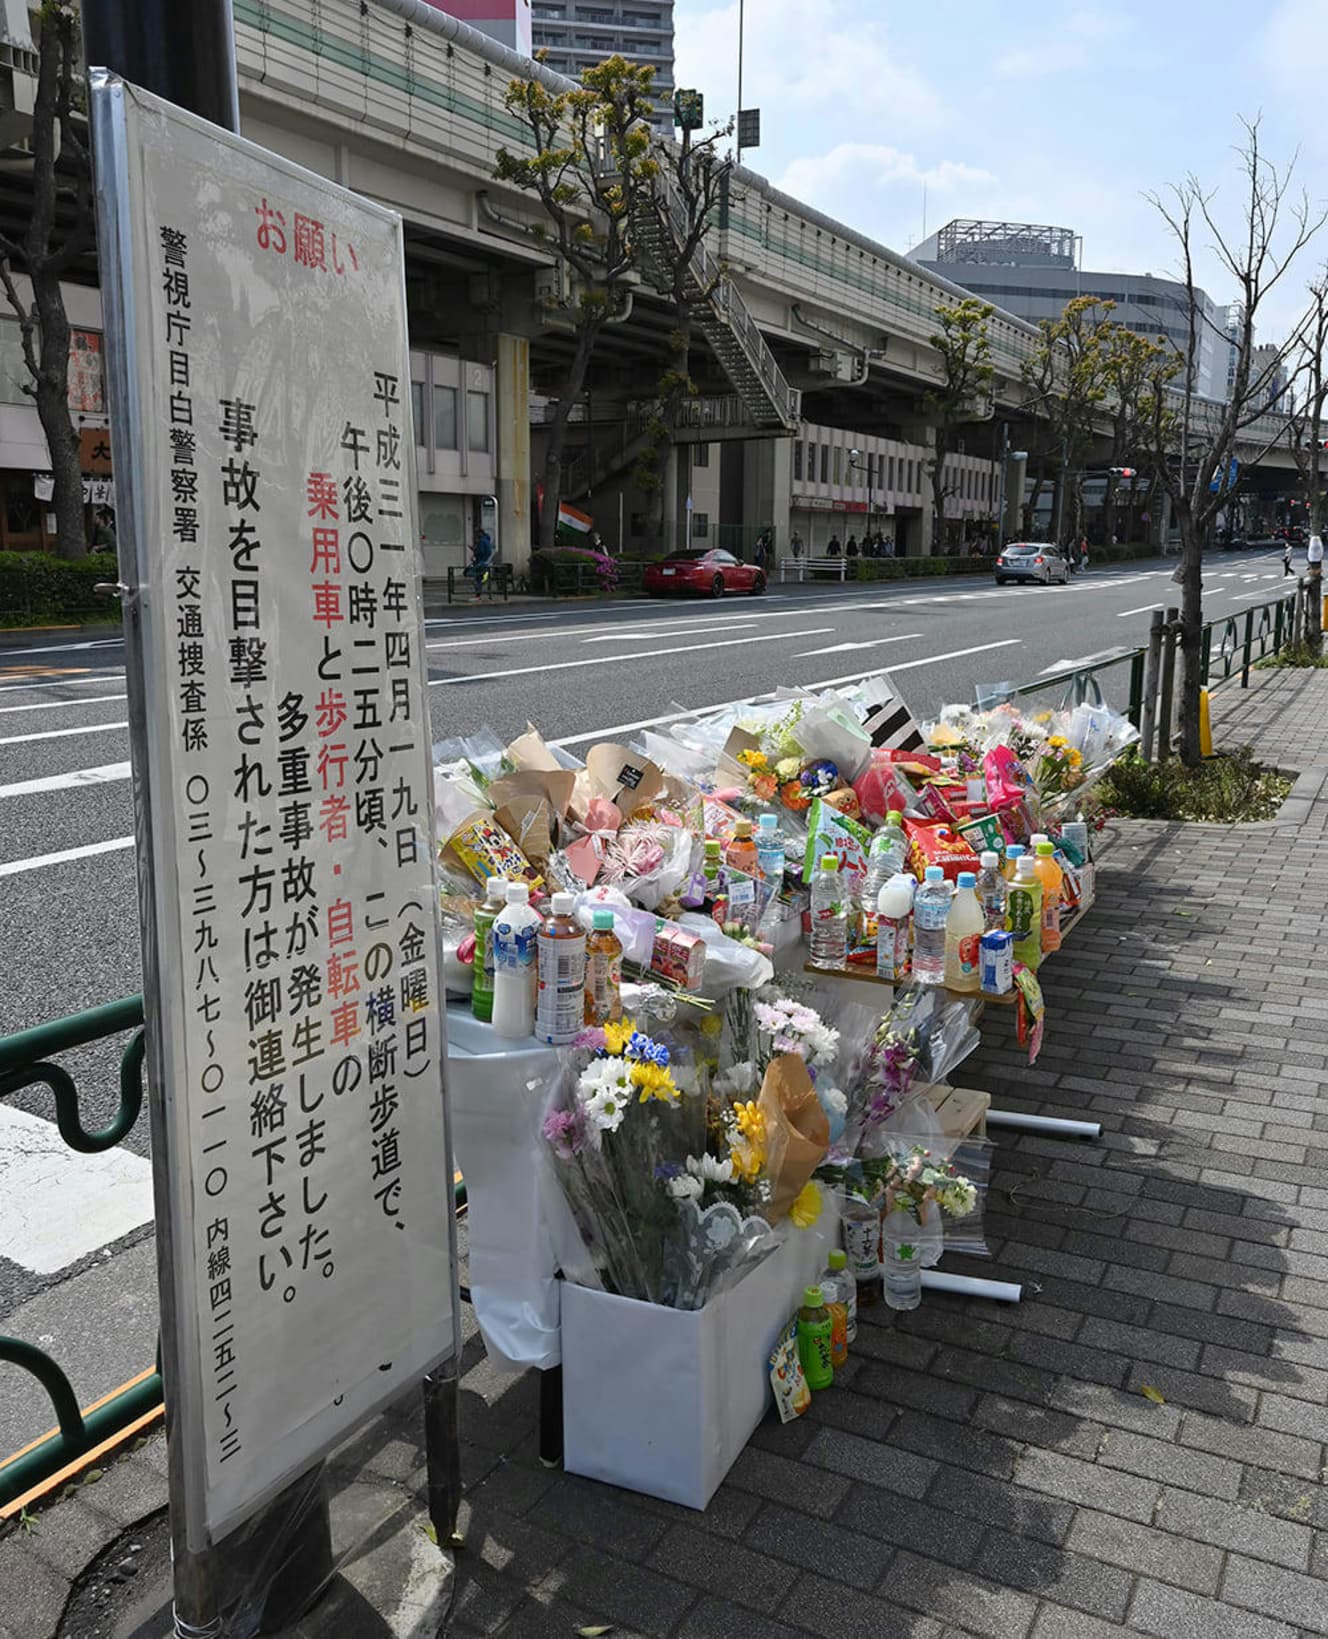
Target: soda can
<point x="997" y="962"/>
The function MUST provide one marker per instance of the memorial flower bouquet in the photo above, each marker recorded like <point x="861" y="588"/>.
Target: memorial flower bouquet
<point x="1059" y="767"/>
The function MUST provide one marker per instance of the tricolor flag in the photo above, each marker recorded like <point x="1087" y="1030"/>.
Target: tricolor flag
<point x="582" y="522"/>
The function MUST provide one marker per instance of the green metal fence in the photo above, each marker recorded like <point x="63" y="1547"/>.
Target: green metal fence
<point x="27" y="1060"/>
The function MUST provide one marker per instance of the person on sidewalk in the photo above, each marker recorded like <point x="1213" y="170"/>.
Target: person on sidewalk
<point x="481" y="561"/>
<point x="795" y="544"/>
<point x="1286" y="560"/>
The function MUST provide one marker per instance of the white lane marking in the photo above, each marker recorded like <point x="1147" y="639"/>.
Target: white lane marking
<point x="59" y="705"/>
<point x="60" y="1206"/>
<point x="66" y="648"/>
<point x="1141" y="610"/>
<point x="17" y="867"/>
<point x="1258" y="592"/>
<point x="867" y="643"/>
<point x="104" y="775"/>
<point x="62" y="733"/>
<point x="617" y="659"/>
<point x="910" y="665"/>
<point x="682" y="631"/>
<point x="448" y="621"/>
<point x="1083" y="660"/>
<point x="81" y="682"/>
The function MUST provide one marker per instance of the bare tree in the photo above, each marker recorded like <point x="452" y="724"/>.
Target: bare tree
<point x="46" y="251"/>
<point x="1309" y="373"/>
<point x="1193" y="445"/>
<point x="678" y="209"/>
<point x="591" y="160"/>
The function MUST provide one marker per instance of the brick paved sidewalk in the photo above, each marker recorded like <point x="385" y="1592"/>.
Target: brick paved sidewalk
<point x="998" y="1470"/>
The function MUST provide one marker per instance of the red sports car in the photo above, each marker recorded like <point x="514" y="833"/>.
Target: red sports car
<point x="710" y="573"/>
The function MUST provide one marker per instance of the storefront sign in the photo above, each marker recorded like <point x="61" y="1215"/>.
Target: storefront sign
<point x="94" y="451"/>
<point x="263" y="448"/>
<point x="86" y="391"/>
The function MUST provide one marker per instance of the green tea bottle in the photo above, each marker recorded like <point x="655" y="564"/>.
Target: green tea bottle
<point x="481" y="981"/>
<point x="815" y="1332"/>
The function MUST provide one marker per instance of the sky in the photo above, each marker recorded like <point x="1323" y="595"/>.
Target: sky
<point x="1027" y="110"/>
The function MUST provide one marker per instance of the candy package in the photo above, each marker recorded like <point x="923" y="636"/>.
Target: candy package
<point x="830" y="832"/>
<point x="787" y="1378"/>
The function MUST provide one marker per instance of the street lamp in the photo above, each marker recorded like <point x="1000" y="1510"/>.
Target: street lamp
<point x="857" y="464"/>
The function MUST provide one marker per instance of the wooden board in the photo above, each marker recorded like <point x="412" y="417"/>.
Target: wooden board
<point x="962" y="1111"/>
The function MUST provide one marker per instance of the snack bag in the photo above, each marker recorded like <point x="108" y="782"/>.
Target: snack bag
<point x="982" y="833"/>
<point x="830" y="832"/>
<point x="787" y="1378"/>
<point x="486" y="850"/>
<point x="930" y="844"/>
<point x="1008" y="781"/>
<point x="883" y="786"/>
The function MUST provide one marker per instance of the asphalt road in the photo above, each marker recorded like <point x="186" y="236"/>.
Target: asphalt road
<point x="68" y="919"/>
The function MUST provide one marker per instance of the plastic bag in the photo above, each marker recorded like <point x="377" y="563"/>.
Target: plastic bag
<point x="946" y="1038"/>
<point x="729" y="965"/>
<point x="482" y="753"/>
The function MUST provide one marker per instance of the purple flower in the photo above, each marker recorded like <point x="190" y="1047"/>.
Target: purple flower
<point x="565" y="1130"/>
<point x="591" y="1040"/>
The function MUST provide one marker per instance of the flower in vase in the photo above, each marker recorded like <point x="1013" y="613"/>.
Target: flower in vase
<point x="685" y="1188"/>
<point x="806" y="1208"/>
<point x="565" y="1130"/>
<point x="654" y="1082"/>
<point x="617" y="1036"/>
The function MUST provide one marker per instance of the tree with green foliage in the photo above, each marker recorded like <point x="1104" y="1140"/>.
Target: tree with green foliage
<point x="1194" y="441"/>
<point x="1065" y="382"/>
<point x="963" y="345"/>
<point x="46" y="251"/>
<point x="590" y="160"/>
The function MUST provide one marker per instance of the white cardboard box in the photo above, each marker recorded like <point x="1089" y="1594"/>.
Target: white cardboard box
<point x="662" y="1400"/>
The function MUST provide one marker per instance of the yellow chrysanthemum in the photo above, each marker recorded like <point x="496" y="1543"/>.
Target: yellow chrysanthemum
<point x="654" y="1082"/>
<point x="747" y="1159"/>
<point x="751" y="1122"/>
<point x="806" y="1208"/>
<point x="616" y="1036"/>
<point x="1076" y="757"/>
<point x="712" y="1024"/>
<point x="1056" y="740"/>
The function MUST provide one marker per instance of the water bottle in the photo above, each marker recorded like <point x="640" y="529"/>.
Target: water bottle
<point x="993" y="892"/>
<point x="931" y="911"/>
<point x="770" y="852"/>
<point x="885" y="857"/>
<point x="829" y="917"/>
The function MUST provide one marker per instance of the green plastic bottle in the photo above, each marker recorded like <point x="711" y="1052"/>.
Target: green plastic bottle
<point x="815" y="1340"/>
<point x="1024" y="909"/>
<point x="481" y="973"/>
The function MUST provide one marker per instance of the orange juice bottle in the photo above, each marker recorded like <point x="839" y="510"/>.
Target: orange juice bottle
<point x="741" y="851"/>
<point x="1052" y="878"/>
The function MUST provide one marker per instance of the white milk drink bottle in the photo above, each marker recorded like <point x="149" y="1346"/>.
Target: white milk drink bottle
<point x="931" y="910"/>
<point x="963" y="936"/>
<point x="514" y="932"/>
<point x="894" y="907"/>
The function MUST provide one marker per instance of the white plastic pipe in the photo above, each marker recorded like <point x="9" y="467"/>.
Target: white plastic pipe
<point x="1049" y="1125"/>
<point x="968" y="1286"/>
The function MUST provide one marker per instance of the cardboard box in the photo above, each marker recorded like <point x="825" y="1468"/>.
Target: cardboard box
<point x="662" y="1401"/>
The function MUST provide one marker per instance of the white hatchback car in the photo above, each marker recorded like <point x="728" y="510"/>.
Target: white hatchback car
<point x="1031" y="561"/>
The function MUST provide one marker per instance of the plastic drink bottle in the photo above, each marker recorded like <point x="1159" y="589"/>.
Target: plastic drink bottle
<point x="814" y="1340"/>
<point x="836" y="1301"/>
<point x="837" y="1268"/>
<point x="1074" y="833"/>
<point x="1026" y="913"/>
<point x="514" y="931"/>
<point x="862" y="1244"/>
<point x="770" y="853"/>
<point x="560" y="1002"/>
<point x="993" y="891"/>
<point x="481" y="981"/>
<point x="894" y="906"/>
<point x="829" y="917"/>
<point x="964" y="928"/>
<point x="1052" y="878"/>
<point x="1013" y="854"/>
<point x="604" y="955"/>
<point x="931" y="910"/>
<point x="711" y="869"/>
<point x="885" y="857"/>
<point x="741" y="851"/>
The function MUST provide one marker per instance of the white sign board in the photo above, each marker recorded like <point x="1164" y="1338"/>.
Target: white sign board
<point x="264" y="448"/>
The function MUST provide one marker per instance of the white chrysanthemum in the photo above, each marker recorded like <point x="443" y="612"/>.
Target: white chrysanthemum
<point x="685" y="1188"/>
<point x="710" y="1170"/>
<point x="833" y="1100"/>
<point x="738" y="1081"/>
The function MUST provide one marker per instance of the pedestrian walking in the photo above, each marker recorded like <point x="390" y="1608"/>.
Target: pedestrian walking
<point x="481" y="560"/>
<point x="1083" y="554"/>
<point x="1286" y="560"/>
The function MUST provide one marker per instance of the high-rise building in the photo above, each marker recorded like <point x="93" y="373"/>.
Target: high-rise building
<point x="1032" y="271"/>
<point x="505" y="20"/>
<point x="579" y="33"/>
